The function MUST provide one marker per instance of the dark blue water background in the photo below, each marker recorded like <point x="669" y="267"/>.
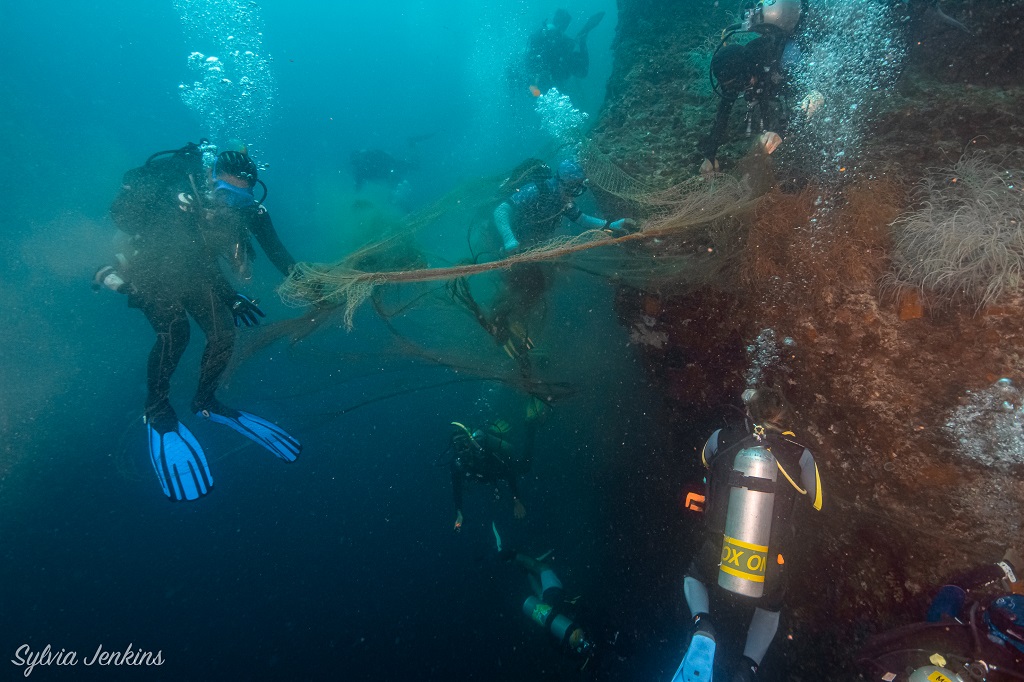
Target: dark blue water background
<point x="344" y="565"/>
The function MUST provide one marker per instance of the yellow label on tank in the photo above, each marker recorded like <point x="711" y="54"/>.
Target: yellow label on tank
<point x="938" y="677"/>
<point x="744" y="559"/>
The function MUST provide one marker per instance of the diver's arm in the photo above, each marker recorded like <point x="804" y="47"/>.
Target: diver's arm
<point x="457" y="496"/>
<point x="708" y="146"/>
<point x="513" y="485"/>
<point x="810" y="479"/>
<point x="616" y="228"/>
<point x="503" y="221"/>
<point x="457" y="488"/>
<point x="262" y="227"/>
<point x="707" y="455"/>
<point x="581" y="58"/>
<point x="590" y="222"/>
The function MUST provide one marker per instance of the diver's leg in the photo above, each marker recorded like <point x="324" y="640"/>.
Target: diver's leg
<point x="696" y="596"/>
<point x="169" y="321"/>
<point x="763" y="626"/>
<point x="214" y="317"/>
<point x="582" y="58"/>
<point x="699" y="660"/>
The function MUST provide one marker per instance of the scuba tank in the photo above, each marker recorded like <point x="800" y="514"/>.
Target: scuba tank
<point x="934" y="673"/>
<point x="748" y="521"/>
<point x="559" y="625"/>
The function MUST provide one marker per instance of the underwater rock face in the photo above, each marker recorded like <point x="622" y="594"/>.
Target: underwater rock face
<point x="919" y="446"/>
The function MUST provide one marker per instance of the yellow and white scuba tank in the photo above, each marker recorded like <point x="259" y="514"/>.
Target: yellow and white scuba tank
<point x="748" y="522"/>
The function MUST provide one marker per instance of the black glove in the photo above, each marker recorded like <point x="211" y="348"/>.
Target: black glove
<point x="245" y="310"/>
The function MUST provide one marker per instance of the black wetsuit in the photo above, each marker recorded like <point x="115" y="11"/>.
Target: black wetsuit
<point x="552" y="58"/>
<point x="174" y="273"/>
<point x="492" y="463"/>
<point x="764" y="98"/>
<point x="797" y="461"/>
<point x="376" y="165"/>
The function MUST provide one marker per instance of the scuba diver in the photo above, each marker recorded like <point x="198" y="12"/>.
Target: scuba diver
<point x="485" y="456"/>
<point x="756" y="70"/>
<point x="529" y="216"/>
<point x="378" y="166"/>
<point x="757" y="477"/>
<point x="552" y="57"/>
<point x="970" y="632"/>
<point x="172" y="234"/>
<point x="548" y="606"/>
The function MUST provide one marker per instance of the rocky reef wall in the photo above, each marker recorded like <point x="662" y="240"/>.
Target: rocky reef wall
<point x="884" y="384"/>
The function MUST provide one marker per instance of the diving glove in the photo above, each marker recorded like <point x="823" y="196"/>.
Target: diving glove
<point x="246" y="311"/>
<point x="621" y="227"/>
<point x="108" y="277"/>
<point x="811" y="103"/>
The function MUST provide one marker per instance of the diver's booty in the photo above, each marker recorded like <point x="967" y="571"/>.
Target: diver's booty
<point x="698" y="663"/>
<point x="179" y="463"/>
<point x="257" y="429"/>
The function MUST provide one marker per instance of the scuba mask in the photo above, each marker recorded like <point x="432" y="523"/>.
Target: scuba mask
<point x="235" y="197"/>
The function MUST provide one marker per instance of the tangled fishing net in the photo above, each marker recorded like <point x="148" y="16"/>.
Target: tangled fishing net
<point x="667" y="215"/>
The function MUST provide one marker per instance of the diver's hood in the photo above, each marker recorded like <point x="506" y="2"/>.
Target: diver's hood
<point x="767" y="15"/>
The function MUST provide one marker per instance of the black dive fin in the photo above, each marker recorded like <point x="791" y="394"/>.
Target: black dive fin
<point x="941" y="16"/>
<point x="591" y="24"/>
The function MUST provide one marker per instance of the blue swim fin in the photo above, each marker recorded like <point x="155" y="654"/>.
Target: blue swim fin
<point x="699" y="661"/>
<point x="179" y="463"/>
<point x="257" y="429"/>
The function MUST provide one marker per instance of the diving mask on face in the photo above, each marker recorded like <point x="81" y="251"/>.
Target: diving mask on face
<point x="235" y="197"/>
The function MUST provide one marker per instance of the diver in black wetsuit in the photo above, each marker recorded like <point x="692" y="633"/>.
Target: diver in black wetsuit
<point x="758" y="71"/>
<point x="376" y="165"/>
<point x="528" y="217"/>
<point x="970" y="631"/>
<point x="552" y="57"/>
<point x="484" y="456"/>
<point x="758" y="481"/>
<point x="173" y="235"/>
<point x="549" y="606"/>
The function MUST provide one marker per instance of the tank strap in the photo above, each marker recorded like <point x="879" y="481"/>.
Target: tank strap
<point x="790" y="478"/>
<point x="759" y="485"/>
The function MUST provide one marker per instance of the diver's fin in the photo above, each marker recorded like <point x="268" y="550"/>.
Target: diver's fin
<point x="941" y="16"/>
<point x="591" y="24"/>
<point x="258" y="430"/>
<point x="497" y="538"/>
<point x="179" y="463"/>
<point x="698" y="663"/>
<point x="545" y="555"/>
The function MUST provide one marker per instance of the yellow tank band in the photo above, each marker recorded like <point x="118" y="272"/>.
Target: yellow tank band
<point x="746" y="545"/>
<point x="741" y="574"/>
